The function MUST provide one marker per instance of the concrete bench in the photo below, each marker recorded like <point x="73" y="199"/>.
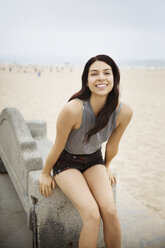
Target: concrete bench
<point x="23" y="150"/>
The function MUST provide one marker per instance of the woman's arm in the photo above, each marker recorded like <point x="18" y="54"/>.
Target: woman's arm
<point x="123" y="120"/>
<point x="67" y="119"/>
<point x="65" y="122"/>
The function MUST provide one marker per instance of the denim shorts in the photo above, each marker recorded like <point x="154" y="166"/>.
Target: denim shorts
<point x="77" y="161"/>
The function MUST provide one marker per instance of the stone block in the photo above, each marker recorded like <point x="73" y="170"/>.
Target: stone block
<point x="18" y="151"/>
<point x="38" y="129"/>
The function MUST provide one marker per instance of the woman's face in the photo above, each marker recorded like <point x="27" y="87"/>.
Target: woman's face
<point x="100" y="78"/>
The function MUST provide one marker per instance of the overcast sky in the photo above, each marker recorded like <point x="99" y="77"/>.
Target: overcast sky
<point x="73" y="30"/>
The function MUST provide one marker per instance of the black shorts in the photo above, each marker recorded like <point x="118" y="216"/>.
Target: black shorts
<point x="77" y="161"/>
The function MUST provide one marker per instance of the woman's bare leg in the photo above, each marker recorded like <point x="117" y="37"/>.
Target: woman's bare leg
<point x="101" y="189"/>
<point x="74" y="186"/>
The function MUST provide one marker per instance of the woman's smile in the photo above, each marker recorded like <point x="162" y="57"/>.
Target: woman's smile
<point x="101" y="86"/>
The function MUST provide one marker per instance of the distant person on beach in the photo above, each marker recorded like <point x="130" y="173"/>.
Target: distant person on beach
<point x="92" y="116"/>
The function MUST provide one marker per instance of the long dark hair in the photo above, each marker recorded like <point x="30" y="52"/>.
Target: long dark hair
<point x="112" y="98"/>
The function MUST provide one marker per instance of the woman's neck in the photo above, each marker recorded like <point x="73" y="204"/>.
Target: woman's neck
<point x="97" y="102"/>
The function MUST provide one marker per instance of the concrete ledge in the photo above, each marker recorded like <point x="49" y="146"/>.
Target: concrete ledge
<point x="59" y="218"/>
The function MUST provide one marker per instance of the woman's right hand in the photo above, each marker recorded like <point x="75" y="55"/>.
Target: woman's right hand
<point x="46" y="183"/>
<point x="111" y="176"/>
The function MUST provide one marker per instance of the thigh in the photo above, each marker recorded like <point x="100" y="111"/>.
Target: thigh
<point x="100" y="186"/>
<point x="75" y="187"/>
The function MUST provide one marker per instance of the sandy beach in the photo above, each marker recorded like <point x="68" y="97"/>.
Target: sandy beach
<point x="40" y="92"/>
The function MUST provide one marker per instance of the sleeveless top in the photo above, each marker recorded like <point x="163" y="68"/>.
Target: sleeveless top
<point x="75" y="145"/>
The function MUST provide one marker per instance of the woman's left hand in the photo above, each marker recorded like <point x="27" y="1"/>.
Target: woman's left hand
<point x="111" y="176"/>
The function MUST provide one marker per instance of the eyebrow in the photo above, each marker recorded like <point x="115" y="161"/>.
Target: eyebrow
<point x="103" y="70"/>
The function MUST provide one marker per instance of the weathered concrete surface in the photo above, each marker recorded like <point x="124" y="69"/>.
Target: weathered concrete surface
<point x="14" y="231"/>
<point x="37" y="128"/>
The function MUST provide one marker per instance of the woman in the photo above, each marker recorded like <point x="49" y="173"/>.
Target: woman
<point x="92" y="116"/>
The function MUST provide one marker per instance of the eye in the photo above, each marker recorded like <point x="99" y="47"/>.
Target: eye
<point x="107" y="73"/>
<point x="93" y="74"/>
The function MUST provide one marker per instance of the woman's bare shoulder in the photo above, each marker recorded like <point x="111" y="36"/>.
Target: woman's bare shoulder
<point x="125" y="113"/>
<point x="72" y="109"/>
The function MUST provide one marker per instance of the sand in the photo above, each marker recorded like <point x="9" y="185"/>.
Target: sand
<point x="40" y="92"/>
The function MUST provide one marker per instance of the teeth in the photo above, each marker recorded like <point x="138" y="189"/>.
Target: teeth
<point x="101" y="85"/>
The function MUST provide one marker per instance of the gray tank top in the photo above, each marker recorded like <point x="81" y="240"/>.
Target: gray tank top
<point x="76" y="137"/>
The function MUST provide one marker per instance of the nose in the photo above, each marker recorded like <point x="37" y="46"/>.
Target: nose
<point x="101" y="76"/>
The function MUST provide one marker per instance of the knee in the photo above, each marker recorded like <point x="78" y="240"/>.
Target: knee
<point x="109" y="213"/>
<point x="91" y="215"/>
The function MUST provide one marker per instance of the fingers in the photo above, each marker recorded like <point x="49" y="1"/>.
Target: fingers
<point x="43" y="190"/>
<point x="40" y="187"/>
<point x="46" y="189"/>
<point x="49" y="190"/>
<point x="112" y="179"/>
<point x="115" y="180"/>
<point x="53" y="184"/>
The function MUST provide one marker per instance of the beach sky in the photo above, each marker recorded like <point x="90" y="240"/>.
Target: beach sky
<point x="74" y="30"/>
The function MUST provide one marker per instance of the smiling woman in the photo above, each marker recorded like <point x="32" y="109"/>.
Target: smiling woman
<point x="92" y="116"/>
<point x="103" y="100"/>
